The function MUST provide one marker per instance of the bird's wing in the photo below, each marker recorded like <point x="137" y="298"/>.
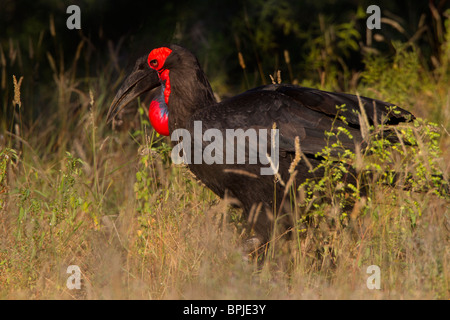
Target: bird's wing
<point x="326" y="102"/>
<point x="296" y="111"/>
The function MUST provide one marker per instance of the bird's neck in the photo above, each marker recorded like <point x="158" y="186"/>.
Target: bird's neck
<point x="190" y="91"/>
<point x="183" y="92"/>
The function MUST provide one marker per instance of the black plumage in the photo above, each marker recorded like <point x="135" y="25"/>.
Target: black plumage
<point x="295" y="111"/>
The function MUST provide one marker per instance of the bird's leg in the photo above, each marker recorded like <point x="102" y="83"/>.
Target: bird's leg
<point x="260" y="223"/>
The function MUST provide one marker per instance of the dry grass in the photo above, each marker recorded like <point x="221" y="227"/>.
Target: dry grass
<point x="139" y="228"/>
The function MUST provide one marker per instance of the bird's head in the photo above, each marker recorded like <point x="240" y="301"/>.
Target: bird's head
<point x="167" y="68"/>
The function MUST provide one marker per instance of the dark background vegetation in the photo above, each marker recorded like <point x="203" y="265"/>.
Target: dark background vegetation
<point x="216" y="31"/>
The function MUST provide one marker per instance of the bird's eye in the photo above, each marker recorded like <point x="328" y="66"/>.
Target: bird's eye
<point x="154" y="63"/>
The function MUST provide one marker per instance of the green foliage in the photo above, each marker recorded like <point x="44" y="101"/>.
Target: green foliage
<point x="406" y="156"/>
<point x="329" y="46"/>
<point x="335" y="184"/>
<point x="73" y="191"/>
<point x="383" y="195"/>
<point x="48" y="218"/>
<point x="68" y="200"/>
<point x="398" y="78"/>
<point x="393" y="176"/>
<point x="7" y="156"/>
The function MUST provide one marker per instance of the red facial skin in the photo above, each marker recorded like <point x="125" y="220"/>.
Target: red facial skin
<point x="158" y="119"/>
<point x="158" y="113"/>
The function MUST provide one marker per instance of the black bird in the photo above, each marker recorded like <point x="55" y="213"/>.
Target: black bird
<point x="183" y="96"/>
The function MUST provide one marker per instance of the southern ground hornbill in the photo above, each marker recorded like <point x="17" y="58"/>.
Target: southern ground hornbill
<point x="183" y="96"/>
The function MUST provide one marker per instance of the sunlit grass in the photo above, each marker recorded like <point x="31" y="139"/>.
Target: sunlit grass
<point x="75" y="192"/>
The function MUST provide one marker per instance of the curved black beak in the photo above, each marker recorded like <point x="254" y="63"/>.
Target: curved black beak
<point x="140" y="80"/>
